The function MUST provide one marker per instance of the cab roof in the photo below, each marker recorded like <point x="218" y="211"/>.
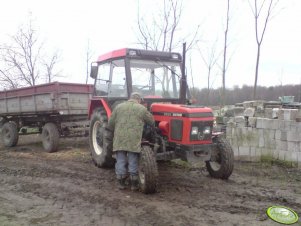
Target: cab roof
<point x="139" y="54"/>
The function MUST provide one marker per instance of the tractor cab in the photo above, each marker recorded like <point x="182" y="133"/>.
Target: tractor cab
<point x="155" y="75"/>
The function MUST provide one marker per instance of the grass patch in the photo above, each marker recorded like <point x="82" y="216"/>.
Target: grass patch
<point x="268" y="160"/>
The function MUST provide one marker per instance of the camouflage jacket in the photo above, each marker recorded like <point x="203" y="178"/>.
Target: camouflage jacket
<point x="127" y="122"/>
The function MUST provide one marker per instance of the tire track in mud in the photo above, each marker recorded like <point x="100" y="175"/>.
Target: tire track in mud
<point x="75" y="192"/>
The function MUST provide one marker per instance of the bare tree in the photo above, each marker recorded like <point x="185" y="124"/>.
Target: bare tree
<point x="7" y="81"/>
<point x="22" y="61"/>
<point x="49" y="66"/>
<point x="159" y="33"/>
<point x="210" y="58"/>
<point x="266" y="7"/>
<point x="89" y="55"/>
<point x="225" y="53"/>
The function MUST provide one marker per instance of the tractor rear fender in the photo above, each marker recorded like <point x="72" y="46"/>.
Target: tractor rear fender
<point x="97" y="103"/>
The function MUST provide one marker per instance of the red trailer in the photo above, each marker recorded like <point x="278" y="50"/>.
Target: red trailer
<point x="54" y="109"/>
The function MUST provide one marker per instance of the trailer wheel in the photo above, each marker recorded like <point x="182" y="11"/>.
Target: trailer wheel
<point x="101" y="140"/>
<point x="148" y="170"/>
<point x="9" y="134"/>
<point x="50" y="137"/>
<point x="222" y="166"/>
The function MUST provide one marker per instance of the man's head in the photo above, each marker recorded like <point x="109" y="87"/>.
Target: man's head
<point x="136" y="97"/>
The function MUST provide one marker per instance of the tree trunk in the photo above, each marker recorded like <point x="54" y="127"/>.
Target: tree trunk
<point x="256" y="71"/>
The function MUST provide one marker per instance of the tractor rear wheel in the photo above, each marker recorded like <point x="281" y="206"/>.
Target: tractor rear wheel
<point x="222" y="165"/>
<point x="148" y="170"/>
<point x="100" y="140"/>
<point x="9" y="134"/>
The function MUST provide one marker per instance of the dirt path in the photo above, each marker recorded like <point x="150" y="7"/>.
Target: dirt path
<point x="65" y="188"/>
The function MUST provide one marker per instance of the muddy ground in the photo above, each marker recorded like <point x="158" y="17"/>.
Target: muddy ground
<point x="65" y="188"/>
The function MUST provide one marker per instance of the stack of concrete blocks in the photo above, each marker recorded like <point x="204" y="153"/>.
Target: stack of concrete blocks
<point x="266" y="132"/>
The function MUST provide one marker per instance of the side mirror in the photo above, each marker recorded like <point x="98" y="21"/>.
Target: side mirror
<point x="94" y="70"/>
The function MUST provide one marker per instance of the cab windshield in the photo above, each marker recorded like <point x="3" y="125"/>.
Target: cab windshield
<point x="152" y="79"/>
<point x="155" y="79"/>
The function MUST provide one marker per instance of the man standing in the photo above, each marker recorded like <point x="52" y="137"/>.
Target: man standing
<point x="127" y="122"/>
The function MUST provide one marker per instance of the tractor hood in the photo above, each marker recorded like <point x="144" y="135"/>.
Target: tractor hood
<point x="178" y="110"/>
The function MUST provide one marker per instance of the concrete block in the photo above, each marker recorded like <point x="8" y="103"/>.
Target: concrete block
<point x="275" y="154"/>
<point x="299" y="159"/>
<point x="261" y="143"/>
<point x="260" y="123"/>
<point x="288" y="114"/>
<point x="231" y="124"/>
<point x="264" y="123"/>
<point x="293" y="146"/>
<point x="244" y="153"/>
<point x="275" y="113"/>
<point x="268" y="113"/>
<point x="235" y="150"/>
<point x="296" y="127"/>
<point x="265" y="151"/>
<point x="274" y="124"/>
<point x="252" y="122"/>
<point x="254" y="157"/>
<point x="249" y="137"/>
<point x="285" y="125"/>
<point x="239" y="119"/>
<point x="270" y="143"/>
<point x="238" y="111"/>
<point x="269" y="134"/>
<point x="229" y="132"/>
<point x="281" y="155"/>
<point x="249" y="112"/>
<point x="293" y="136"/>
<point x="281" y="135"/>
<point x="247" y="104"/>
<point x="281" y="145"/>
<point x="225" y="120"/>
<point x="291" y="156"/>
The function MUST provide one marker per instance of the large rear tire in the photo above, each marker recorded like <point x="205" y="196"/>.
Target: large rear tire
<point x="9" y="134"/>
<point x="100" y="140"/>
<point x="148" y="170"/>
<point x="50" y="137"/>
<point x="222" y="166"/>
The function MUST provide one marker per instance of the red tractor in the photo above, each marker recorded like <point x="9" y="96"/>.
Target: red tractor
<point x="183" y="131"/>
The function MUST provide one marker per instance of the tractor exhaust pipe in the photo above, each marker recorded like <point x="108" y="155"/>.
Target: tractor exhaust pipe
<point x="183" y="79"/>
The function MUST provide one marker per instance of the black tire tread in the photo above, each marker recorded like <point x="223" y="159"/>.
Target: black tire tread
<point x="14" y="136"/>
<point x="53" y="131"/>
<point x="105" y="160"/>
<point x="227" y="160"/>
<point x="148" y="163"/>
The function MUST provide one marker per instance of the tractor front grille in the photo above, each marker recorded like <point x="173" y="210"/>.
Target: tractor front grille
<point x="201" y="130"/>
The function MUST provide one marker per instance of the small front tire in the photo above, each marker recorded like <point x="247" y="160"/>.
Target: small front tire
<point x="148" y="170"/>
<point x="222" y="166"/>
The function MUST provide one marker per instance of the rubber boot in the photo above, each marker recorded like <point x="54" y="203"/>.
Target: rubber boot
<point x="134" y="182"/>
<point x="121" y="182"/>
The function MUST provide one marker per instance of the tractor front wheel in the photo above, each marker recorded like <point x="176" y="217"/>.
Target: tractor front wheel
<point x="221" y="165"/>
<point x="148" y="170"/>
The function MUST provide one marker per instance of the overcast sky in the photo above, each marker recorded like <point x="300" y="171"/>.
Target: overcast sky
<point x="68" y="25"/>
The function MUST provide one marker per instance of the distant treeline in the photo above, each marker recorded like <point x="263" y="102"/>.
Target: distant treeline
<point x="235" y="95"/>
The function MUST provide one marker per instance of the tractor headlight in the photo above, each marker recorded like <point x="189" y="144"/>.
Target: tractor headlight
<point x="194" y="130"/>
<point x="207" y="130"/>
